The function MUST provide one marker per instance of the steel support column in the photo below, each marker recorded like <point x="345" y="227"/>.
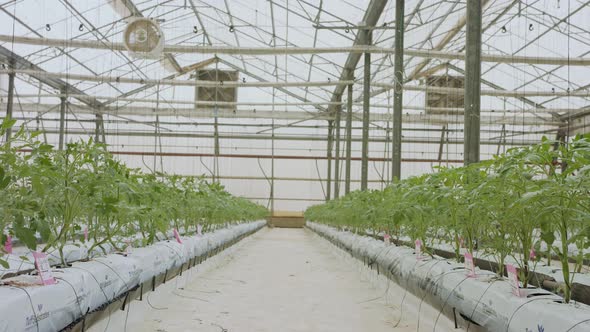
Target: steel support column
<point x="396" y="136"/>
<point x="366" y="112"/>
<point x="96" y="129"/>
<point x="216" y="149"/>
<point x="10" y="102"/>
<point x="472" y="82"/>
<point x="348" y="140"/>
<point x="502" y="139"/>
<point x="442" y="144"/>
<point x="99" y="129"/>
<point x="329" y="159"/>
<point x="62" y="118"/>
<point x="156" y="142"/>
<point x="337" y="152"/>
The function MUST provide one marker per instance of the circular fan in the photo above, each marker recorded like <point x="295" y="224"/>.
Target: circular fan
<point x="144" y="38"/>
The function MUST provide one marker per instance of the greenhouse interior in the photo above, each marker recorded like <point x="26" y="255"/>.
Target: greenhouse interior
<point x="295" y="165"/>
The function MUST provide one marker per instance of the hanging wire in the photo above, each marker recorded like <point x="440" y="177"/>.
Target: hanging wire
<point x="568" y="72"/>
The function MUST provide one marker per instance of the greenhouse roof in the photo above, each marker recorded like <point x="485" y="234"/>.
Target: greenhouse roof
<point x="530" y="30"/>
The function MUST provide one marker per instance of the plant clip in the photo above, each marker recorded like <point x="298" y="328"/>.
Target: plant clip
<point x="195" y="30"/>
<point x="221" y="82"/>
<point x="81" y="27"/>
<point x="232" y="28"/>
<point x="243" y="80"/>
<point x="531" y="27"/>
<point x="47" y="27"/>
<point x="118" y="79"/>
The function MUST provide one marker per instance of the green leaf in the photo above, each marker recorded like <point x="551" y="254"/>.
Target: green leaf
<point x="26" y="235"/>
<point x="44" y="230"/>
<point x="37" y="185"/>
<point x="7" y="123"/>
<point x="4" y="263"/>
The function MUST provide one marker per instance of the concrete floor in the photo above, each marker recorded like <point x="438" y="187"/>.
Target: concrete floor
<point x="275" y="280"/>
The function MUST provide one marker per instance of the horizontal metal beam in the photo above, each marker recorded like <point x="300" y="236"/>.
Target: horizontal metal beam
<point x="276" y="178"/>
<point x="488" y="92"/>
<point x="184" y="70"/>
<point x="8" y="57"/>
<point x="271" y="51"/>
<point x="267" y="156"/>
<point x="170" y="82"/>
<point x="193" y="124"/>
<point x="431" y="110"/>
<point x="295" y="199"/>
<point x="268" y="137"/>
<point x="206" y="113"/>
<point x="423" y="88"/>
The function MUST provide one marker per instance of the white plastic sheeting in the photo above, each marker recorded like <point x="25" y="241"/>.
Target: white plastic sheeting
<point x="554" y="271"/>
<point x="86" y="286"/>
<point x="22" y="258"/>
<point x="486" y="300"/>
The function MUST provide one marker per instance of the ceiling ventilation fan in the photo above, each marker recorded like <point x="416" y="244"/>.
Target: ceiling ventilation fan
<point x="143" y="38"/>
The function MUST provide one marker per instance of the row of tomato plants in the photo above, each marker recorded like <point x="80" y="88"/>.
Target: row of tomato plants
<point x="505" y="207"/>
<point x="82" y="192"/>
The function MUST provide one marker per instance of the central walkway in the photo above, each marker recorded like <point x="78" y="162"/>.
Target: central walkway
<point x="276" y="280"/>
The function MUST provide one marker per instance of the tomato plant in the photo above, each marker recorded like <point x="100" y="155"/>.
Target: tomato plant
<point x="506" y="207"/>
<point x="51" y="196"/>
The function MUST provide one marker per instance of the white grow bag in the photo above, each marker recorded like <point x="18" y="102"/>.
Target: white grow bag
<point x="86" y="286"/>
<point x="485" y="300"/>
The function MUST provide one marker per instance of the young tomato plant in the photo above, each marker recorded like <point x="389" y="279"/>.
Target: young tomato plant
<point x="58" y="193"/>
<point x="19" y="206"/>
<point x="562" y="200"/>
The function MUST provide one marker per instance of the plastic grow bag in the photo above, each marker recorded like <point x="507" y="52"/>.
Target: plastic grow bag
<point x="88" y="286"/>
<point x="485" y="300"/>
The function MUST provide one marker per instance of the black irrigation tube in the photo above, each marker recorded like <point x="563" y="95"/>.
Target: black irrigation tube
<point x="136" y="292"/>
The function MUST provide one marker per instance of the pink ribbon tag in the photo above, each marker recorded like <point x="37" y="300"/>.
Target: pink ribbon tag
<point x="513" y="279"/>
<point x="8" y="244"/>
<point x="532" y="254"/>
<point x="177" y="236"/>
<point x="387" y="239"/>
<point x="86" y="234"/>
<point x="43" y="268"/>
<point x="418" y="249"/>
<point x="469" y="265"/>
